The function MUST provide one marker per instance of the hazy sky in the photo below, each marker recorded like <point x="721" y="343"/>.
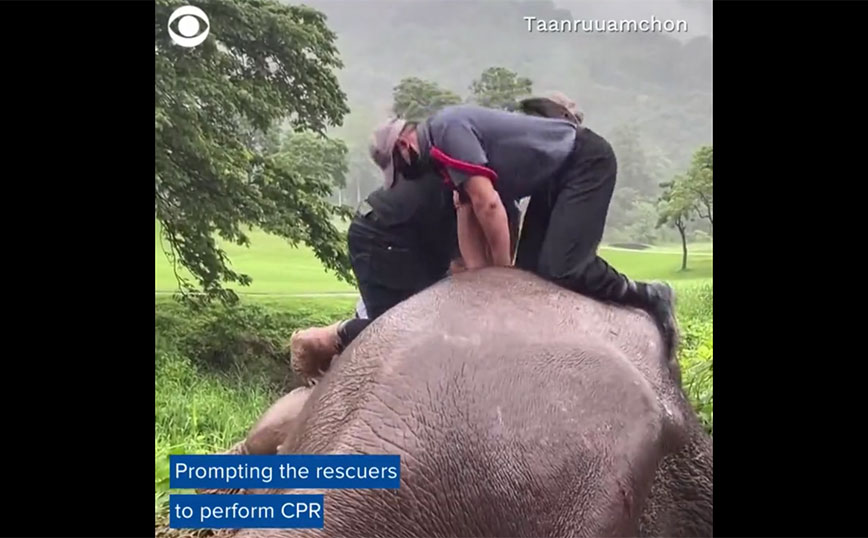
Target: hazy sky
<point x="697" y="13"/>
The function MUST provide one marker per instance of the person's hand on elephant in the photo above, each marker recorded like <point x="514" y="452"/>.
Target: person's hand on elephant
<point x="457" y="266"/>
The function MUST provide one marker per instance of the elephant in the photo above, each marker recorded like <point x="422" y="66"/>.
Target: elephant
<point x="518" y="407"/>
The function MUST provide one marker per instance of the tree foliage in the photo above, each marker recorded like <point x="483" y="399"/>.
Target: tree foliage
<point x="216" y="174"/>
<point x="501" y="88"/>
<point x="313" y="155"/>
<point x="699" y="182"/>
<point x="416" y="99"/>
<point x="642" y="222"/>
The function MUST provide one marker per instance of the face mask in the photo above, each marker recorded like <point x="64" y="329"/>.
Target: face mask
<point x="412" y="170"/>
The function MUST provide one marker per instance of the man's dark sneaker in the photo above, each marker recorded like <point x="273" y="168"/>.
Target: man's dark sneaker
<point x="661" y="298"/>
<point x="659" y="301"/>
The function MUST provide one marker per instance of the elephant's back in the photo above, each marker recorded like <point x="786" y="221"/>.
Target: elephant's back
<point x="481" y="311"/>
<point x="503" y="394"/>
<point x="494" y="326"/>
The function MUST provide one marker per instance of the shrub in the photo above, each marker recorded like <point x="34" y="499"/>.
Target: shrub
<point x="245" y="339"/>
<point x="697" y="366"/>
<point x="696" y="352"/>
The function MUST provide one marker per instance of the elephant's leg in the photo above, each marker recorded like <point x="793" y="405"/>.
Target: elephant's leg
<point x="276" y="423"/>
<point x="269" y="432"/>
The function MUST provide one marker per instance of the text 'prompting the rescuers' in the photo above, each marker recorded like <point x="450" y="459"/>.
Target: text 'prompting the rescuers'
<point x="273" y="511"/>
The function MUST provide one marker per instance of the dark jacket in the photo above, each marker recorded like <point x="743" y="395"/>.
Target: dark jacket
<point x="417" y="218"/>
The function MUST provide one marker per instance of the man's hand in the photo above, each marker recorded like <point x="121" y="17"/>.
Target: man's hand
<point x="456" y="199"/>
<point x="491" y="215"/>
<point x="457" y="266"/>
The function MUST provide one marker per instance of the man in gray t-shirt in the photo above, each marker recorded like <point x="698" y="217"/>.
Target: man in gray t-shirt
<point x="487" y="155"/>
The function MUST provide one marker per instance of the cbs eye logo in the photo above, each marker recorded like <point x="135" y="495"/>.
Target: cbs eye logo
<point x="191" y="20"/>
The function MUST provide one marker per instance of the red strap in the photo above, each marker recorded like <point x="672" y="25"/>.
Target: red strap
<point x="446" y="179"/>
<point x="468" y="168"/>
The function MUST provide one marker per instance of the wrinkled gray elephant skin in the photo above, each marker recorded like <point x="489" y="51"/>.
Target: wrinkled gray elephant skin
<point x="518" y="409"/>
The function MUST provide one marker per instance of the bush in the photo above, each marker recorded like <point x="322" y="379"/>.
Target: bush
<point x="198" y="414"/>
<point x="246" y="339"/>
<point x="696" y="352"/>
<point x="697" y="367"/>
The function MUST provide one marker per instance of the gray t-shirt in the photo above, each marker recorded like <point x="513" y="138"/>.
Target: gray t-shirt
<point x="519" y="153"/>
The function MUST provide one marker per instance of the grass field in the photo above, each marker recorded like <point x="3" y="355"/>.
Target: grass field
<point x="279" y="269"/>
<point x="274" y="265"/>
<point x="211" y="385"/>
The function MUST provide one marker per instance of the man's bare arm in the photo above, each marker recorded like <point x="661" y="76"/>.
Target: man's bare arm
<point x="489" y="211"/>
<point x="471" y="239"/>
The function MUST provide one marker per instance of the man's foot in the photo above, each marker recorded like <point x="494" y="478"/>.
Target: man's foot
<point x="660" y="303"/>
<point x="312" y="350"/>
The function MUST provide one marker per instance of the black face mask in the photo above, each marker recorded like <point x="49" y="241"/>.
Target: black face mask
<point x="412" y="170"/>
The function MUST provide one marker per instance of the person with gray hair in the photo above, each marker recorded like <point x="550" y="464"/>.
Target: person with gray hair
<point x="486" y="156"/>
<point x="553" y="105"/>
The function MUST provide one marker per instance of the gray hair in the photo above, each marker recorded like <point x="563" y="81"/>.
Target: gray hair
<point x="554" y="105"/>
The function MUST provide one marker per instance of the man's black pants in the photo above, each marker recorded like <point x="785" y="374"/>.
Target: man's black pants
<point x="564" y="223"/>
<point x="387" y="269"/>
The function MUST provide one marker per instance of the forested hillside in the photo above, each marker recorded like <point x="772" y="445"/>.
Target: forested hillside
<point x="649" y="92"/>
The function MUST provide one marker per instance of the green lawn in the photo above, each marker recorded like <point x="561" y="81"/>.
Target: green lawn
<point x="277" y="268"/>
<point x="274" y="265"/>
<point x="661" y="264"/>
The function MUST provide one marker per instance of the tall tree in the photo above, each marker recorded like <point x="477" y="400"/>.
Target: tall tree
<point x="699" y="181"/>
<point x="311" y="155"/>
<point x="215" y="105"/>
<point x="416" y="99"/>
<point x="498" y="87"/>
<point x="674" y="208"/>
